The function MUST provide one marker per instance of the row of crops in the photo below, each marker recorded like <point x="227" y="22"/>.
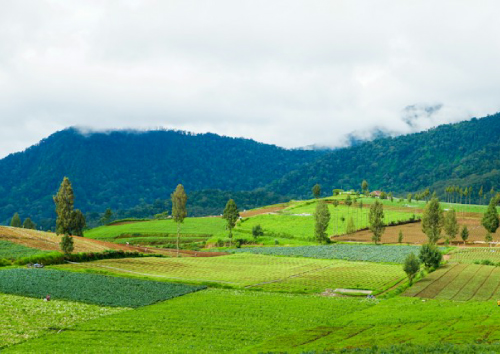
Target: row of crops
<point x="368" y="253"/>
<point x="89" y="288"/>
<point x="12" y="251"/>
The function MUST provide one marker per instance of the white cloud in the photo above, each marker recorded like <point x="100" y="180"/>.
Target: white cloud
<point x="292" y="73"/>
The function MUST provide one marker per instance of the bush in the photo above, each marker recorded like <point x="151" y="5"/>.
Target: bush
<point x="430" y="256"/>
<point x="257" y="231"/>
<point x="4" y="262"/>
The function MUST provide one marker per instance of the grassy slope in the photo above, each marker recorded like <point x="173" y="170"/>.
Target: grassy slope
<point x="212" y="321"/>
<point x="23" y="318"/>
<point x="399" y="320"/>
<point x="12" y="250"/>
<point x="290" y="274"/>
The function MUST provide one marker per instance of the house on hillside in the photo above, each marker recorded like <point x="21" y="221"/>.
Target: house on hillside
<point x="376" y="194"/>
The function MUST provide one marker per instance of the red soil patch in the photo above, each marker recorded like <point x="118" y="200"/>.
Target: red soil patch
<point x="126" y="222"/>
<point x="412" y="233"/>
<point x="271" y="209"/>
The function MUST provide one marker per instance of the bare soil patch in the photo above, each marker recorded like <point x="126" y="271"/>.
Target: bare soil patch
<point x="271" y="209"/>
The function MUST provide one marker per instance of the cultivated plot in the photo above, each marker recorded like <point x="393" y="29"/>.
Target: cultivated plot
<point x="256" y="271"/>
<point x="89" y="288"/>
<point x="24" y="318"/>
<point x="460" y="282"/>
<point x="210" y="321"/>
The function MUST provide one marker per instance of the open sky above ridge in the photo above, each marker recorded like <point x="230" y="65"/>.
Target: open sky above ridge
<point x="290" y="73"/>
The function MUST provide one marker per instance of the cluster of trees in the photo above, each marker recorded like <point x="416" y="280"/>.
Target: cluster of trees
<point x="17" y="222"/>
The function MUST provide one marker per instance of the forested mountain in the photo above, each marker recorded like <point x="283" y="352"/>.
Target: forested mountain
<point x="123" y="169"/>
<point x="463" y="154"/>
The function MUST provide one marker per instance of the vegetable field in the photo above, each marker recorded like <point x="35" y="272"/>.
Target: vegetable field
<point x="476" y="254"/>
<point x="12" y="250"/>
<point x="460" y="282"/>
<point x="398" y="320"/>
<point x="289" y="274"/>
<point x="369" y="253"/>
<point x="88" y="288"/>
<point x="215" y="321"/>
<point x="23" y="318"/>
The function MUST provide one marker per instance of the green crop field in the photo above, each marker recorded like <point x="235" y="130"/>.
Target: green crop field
<point x="193" y="226"/>
<point x="89" y="288"/>
<point x="10" y="250"/>
<point x="394" y="321"/>
<point x="213" y="321"/>
<point x="460" y="282"/>
<point x="23" y="318"/>
<point x="289" y="274"/>
<point x="476" y="254"/>
<point x="369" y="253"/>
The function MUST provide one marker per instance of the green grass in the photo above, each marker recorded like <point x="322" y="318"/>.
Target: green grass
<point x="11" y="250"/>
<point x="287" y="274"/>
<point x="88" y="288"/>
<point x="369" y="253"/>
<point x="192" y="226"/>
<point x="211" y="321"/>
<point x="460" y="282"/>
<point x="395" y="321"/>
<point x="476" y="254"/>
<point x="24" y="318"/>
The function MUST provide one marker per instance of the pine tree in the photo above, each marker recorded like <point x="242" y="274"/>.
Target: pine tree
<point x="78" y="223"/>
<point x="490" y="217"/>
<point x="28" y="224"/>
<point x="411" y="266"/>
<point x="400" y="236"/>
<point x="321" y="220"/>
<point x="376" y="221"/>
<point x="231" y="214"/>
<point x="432" y="221"/>
<point x="316" y="190"/>
<point x="15" y="221"/>
<point x="364" y="186"/>
<point x="451" y="224"/>
<point x="179" y="211"/>
<point x="66" y="244"/>
<point x="64" y="200"/>
<point x="464" y="234"/>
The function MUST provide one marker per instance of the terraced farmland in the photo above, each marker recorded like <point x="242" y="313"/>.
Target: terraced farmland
<point x="11" y="250"/>
<point x="287" y="274"/>
<point x="210" y="321"/>
<point x="89" y="288"/>
<point x="23" y="318"/>
<point x="395" y="321"/>
<point x="369" y="253"/>
<point x="476" y="254"/>
<point x="461" y="282"/>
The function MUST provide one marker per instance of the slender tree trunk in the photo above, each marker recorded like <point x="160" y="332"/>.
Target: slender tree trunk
<point x="178" y="236"/>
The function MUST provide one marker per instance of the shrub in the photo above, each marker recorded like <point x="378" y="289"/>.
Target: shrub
<point x="257" y="231"/>
<point x="430" y="256"/>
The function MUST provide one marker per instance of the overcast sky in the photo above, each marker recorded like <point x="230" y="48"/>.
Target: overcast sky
<point x="291" y="73"/>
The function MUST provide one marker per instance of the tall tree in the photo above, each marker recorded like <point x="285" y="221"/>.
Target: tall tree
<point x="432" y="220"/>
<point x="78" y="222"/>
<point x="411" y="266"/>
<point x="364" y="186"/>
<point x="321" y="219"/>
<point x="231" y="214"/>
<point x="29" y="224"/>
<point x="430" y="256"/>
<point x="15" y="221"/>
<point x="64" y="200"/>
<point x="316" y="190"/>
<point x="376" y="221"/>
<point x="480" y="195"/>
<point x="490" y="217"/>
<point x="451" y="224"/>
<point x="66" y="244"/>
<point x="179" y="211"/>
<point x="464" y="234"/>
